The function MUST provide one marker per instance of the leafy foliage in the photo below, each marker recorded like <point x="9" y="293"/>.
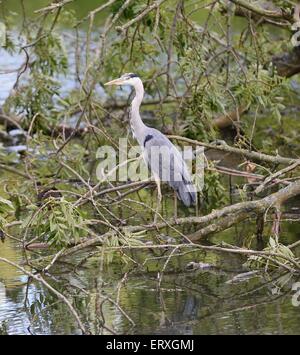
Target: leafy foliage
<point x="214" y="192"/>
<point x="6" y="207"/>
<point x="259" y="262"/>
<point x="117" y="241"/>
<point x="197" y="63"/>
<point x="57" y="221"/>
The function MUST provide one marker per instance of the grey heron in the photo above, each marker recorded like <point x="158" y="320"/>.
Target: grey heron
<point x="164" y="160"/>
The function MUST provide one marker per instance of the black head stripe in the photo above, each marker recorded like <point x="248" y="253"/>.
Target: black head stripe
<point x="132" y="75"/>
<point x="148" y="138"/>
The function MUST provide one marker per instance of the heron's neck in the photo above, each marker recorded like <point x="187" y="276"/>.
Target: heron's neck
<point x="136" y="122"/>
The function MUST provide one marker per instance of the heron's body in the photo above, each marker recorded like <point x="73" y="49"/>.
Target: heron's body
<point x="162" y="157"/>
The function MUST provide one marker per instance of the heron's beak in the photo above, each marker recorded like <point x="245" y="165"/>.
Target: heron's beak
<point x="118" y="81"/>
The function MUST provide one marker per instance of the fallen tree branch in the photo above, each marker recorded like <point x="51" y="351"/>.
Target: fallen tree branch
<point x="247" y="208"/>
<point x="246" y="153"/>
<point x="230" y="214"/>
<point x="278" y="173"/>
<point x="219" y="219"/>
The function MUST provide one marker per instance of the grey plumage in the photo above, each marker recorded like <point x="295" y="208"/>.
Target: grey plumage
<point x="167" y="163"/>
<point x="162" y="157"/>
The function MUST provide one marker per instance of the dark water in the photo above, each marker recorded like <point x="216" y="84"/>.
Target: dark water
<point x="214" y="300"/>
<point x="128" y="300"/>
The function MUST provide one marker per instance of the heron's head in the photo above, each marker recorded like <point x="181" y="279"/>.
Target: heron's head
<point x="126" y="79"/>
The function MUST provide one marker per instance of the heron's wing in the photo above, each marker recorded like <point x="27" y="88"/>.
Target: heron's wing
<point x="165" y="161"/>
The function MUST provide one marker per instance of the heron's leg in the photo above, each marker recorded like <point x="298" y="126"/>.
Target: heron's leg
<point x="175" y="205"/>
<point x="159" y="197"/>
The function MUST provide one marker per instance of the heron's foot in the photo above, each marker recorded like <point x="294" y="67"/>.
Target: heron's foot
<point x="154" y="224"/>
<point x="176" y="220"/>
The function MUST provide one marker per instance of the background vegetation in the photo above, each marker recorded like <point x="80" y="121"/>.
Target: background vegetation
<point x="219" y="74"/>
